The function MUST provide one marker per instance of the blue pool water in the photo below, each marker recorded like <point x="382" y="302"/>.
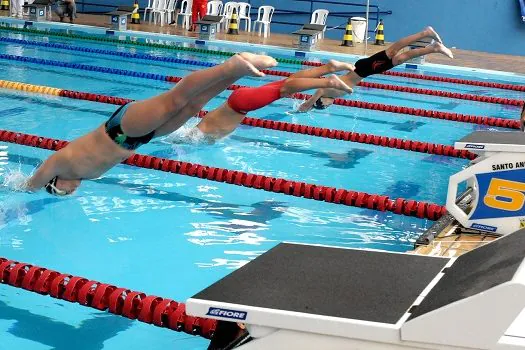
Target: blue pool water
<point x="170" y="235"/>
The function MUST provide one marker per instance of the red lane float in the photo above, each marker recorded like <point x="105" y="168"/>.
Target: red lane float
<point x="381" y="141"/>
<point x="420" y="91"/>
<point x="457" y="81"/>
<point x="334" y="195"/>
<point x="469" y="97"/>
<point x="150" y="309"/>
<point x="441" y="79"/>
<point x="426" y="113"/>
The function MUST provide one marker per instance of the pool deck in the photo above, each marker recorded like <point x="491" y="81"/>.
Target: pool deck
<point x="454" y="241"/>
<point x="463" y="58"/>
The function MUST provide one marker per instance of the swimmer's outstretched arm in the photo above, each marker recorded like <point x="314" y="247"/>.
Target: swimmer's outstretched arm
<point x="45" y="173"/>
<point x="309" y="104"/>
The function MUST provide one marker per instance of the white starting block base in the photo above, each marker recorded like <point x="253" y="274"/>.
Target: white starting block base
<point x="38" y="10"/>
<point x="208" y="27"/>
<point x="308" y="36"/>
<point x="497" y="178"/>
<point x="313" y="297"/>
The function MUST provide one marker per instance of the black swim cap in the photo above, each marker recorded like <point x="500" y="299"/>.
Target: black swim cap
<point x="319" y="104"/>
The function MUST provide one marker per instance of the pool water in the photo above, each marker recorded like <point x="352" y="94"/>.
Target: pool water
<point x="171" y="235"/>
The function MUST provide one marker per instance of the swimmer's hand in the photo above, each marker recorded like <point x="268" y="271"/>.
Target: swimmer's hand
<point x="305" y="107"/>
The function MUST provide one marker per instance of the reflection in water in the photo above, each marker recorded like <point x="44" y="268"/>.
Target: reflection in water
<point x="3" y="159"/>
<point x="227" y="232"/>
<point x="89" y="335"/>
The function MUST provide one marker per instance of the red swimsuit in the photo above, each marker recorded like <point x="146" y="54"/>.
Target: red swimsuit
<point x="248" y="99"/>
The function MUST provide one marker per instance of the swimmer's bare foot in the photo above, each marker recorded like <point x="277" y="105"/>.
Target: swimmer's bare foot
<point x="239" y="65"/>
<point x="336" y="83"/>
<point x="430" y="32"/>
<point x="442" y="49"/>
<point x="337" y="66"/>
<point x="259" y="61"/>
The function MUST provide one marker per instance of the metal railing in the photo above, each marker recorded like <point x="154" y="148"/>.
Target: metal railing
<point x="81" y="6"/>
<point x="375" y="13"/>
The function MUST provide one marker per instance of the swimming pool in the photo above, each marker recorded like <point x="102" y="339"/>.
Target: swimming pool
<point x="172" y="235"/>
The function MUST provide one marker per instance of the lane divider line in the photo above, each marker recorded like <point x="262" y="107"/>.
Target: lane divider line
<point x="406" y="89"/>
<point x="400" y="206"/>
<point x="464" y="118"/>
<point x="504" y="86"/>
<point x="382" y="141"/>
<point x="161" y="312"/>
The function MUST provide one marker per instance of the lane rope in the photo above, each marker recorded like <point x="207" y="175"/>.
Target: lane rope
<point x="400" y="206"/>
<point x="504" y="86"/>
<point x="464" y="118"/>
<point x="382" y="141"/>
<point x="161" y="312"/>
<point x="406" y="89"/>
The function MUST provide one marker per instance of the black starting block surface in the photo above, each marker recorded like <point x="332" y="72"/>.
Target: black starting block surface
<point x="307" y="32"/>
<point x="39" y="3"/>
<point x="493" y="137"/>
<point x="476" y="272"/>
<point x="317" y="27"/>
<point x="347" y="283"/>
<point x="211" y="19"/>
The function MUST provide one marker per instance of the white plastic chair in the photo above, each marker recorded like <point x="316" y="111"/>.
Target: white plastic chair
<point x="170" y="10"/>
<point x="244" y="13"/>
<point x="151" y="5"/>
<point x="319" y="17"/>
<point x="185" y="13"/>
<point x="264" y="18"/>
<point x="214" y="8"/>
<point x="227" y="13"/>
<point x="158" y="12"/>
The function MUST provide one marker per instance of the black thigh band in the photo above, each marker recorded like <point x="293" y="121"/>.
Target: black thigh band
<point x="374" y="64"/>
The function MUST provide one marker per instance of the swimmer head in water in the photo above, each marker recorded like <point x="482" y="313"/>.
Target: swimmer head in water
<point x="59" y="187"/>
<point x="323" y="102"/>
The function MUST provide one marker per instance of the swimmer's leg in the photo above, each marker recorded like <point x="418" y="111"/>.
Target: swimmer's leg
<point x="428" y="32"/>
<point x="331" y="67"/>
<point x="143" y="117"/>
<point x="293" y="85"/>
<point x="193" y="107"/>
<point x="433" y="48"/>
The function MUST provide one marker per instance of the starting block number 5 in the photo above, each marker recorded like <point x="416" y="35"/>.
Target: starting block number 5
<point x="505" y="195"/>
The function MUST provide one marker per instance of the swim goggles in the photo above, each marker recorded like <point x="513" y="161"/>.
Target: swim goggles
<point x="51" y="188"/>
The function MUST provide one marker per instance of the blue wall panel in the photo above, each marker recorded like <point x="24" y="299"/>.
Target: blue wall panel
<point x="481" y="25"/>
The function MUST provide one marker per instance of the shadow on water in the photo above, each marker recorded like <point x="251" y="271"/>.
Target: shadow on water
<point x="347" y="160"/>
<point x="43" y="101"/>
<point x="409" y="125"/>
<point x="89" y="335"/>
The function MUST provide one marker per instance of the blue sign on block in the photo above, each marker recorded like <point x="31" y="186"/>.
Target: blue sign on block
<point x="114" y="19"/>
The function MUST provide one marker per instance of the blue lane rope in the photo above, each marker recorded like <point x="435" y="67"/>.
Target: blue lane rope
<point x="107" y="52"/>
<point x="86" y="67"/>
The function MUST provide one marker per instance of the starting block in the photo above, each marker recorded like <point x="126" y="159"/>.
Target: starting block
<point x="119" y="17"/>
<point x="38" y="10"/>
<point x="208" y="27"/>
<point x="315" y="297"/>
<point x="497" y="178"/>
<point x="309" y="36"/>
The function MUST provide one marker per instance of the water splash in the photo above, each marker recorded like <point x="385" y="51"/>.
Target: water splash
<point x="15" y="180"/>
<point x="189" y="134"/>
